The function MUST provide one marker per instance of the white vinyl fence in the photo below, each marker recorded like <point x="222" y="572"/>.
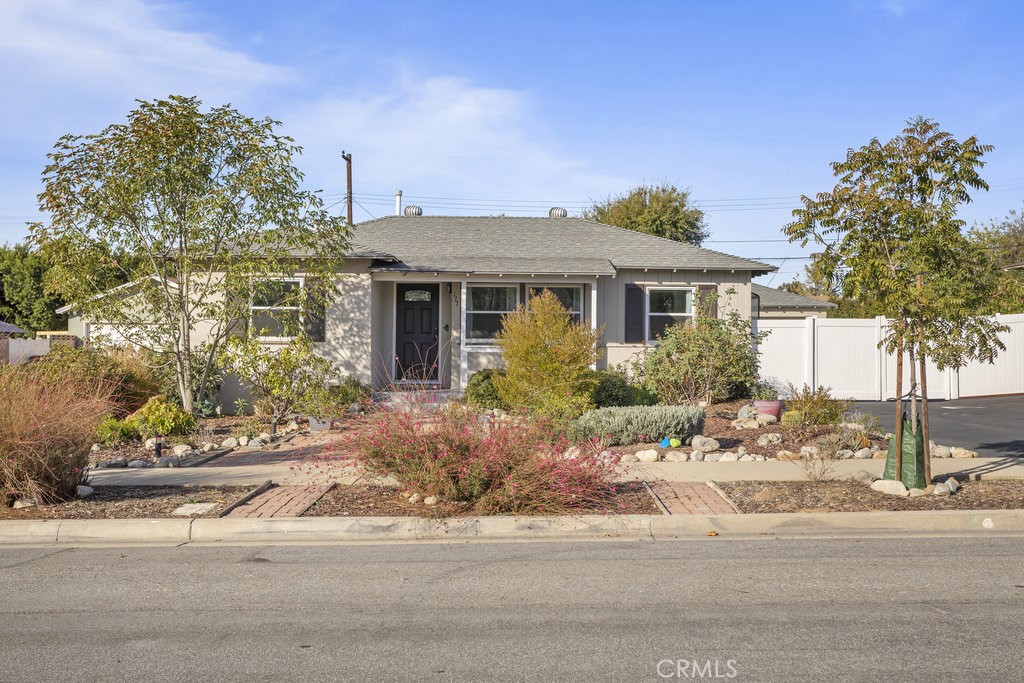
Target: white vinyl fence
<point x="22" y="350"/>
<point x="843" y="354"/>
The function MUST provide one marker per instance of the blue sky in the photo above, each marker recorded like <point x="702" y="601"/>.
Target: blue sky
<point x="481" y="108"/>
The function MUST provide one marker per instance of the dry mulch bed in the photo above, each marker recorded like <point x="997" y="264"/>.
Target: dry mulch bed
<point x="853" y="496"/>
<point x="387" y="501"/>
<point x="132" y="502"/>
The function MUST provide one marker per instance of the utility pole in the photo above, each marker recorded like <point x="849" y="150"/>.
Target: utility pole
<point x="348" y="178"/>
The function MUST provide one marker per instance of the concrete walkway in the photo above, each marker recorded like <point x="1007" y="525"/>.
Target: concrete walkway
<point x="284" y="473"/>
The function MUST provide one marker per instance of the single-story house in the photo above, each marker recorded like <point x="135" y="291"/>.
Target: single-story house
<point x="421" y="297"/>
<point x="769" y="303"/>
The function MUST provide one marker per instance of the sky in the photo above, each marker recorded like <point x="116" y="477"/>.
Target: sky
<point x="486" y="108"/>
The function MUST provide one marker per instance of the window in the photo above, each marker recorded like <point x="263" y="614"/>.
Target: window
<point x="484" y="309"/>
<point x="417" y="295"/>
<point x="571" y="298"/>
<point x="667" y="307"/>
<point x="275" y="312"/>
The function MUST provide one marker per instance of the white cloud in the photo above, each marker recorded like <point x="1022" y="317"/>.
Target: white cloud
<point x="439" y="136"/>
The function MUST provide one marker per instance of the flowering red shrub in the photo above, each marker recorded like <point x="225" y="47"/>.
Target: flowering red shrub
<point x="513" y="467"/>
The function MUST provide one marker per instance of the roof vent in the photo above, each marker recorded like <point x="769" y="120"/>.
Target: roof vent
<point x="557" y="212"/>
<point x="413" y="211"/>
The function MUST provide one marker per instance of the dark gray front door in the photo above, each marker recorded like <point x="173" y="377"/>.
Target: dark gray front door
<point x="416" y="332"/>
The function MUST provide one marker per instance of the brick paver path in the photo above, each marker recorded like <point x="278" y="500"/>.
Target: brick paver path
<point x="685" y="498"/>
<point x="281" y="501"/>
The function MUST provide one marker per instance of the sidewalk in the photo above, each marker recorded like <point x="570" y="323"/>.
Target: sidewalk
<point x="292" y="473"/>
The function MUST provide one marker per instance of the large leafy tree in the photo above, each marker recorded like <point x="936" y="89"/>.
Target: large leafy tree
<point x="889" y="232"/>
<point x="1003" y="240"/>
<point x="661" y="210"/>
<point x="211" y="208"/>
<point x="23" y="299"/>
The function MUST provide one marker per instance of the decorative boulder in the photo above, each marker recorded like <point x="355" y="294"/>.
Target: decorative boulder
<point x="941" y="452"/>
<point x="952" y="484"/>
<point x="629" y="457"/>
<point x="729" y="457"/>
<point x="808" y="451"/>
<point x="83" y="491"/>
<point x="181" y="450"/>
<point x="230" y="442"/>
<point x="243" y="441"/>
<point x="649" y="455"/>
<point x="705" y="444"/>
<point x="863" y="454"/>
<point x="150" y="444"/>
<point x="746" y="457"/>
<point x="844" y="454"/>
<point x="769" y="440"/>
<point x="764" y="419"/>
<point x="676" y="456"/>
<point x="890" y="487"/>
<point x="712" y="457"/>
<point x="747" y="411"/>
<point x="957" y="452"/>
<point x="697" y="455"/>
<point x="137" y="464"/>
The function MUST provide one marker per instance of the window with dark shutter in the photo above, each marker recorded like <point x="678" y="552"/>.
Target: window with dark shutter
<point x="634" y="332"/>
<point x="314" y="314"/>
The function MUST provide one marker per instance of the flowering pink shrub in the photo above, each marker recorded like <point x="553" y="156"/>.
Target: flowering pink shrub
<point x="514" y="467"/>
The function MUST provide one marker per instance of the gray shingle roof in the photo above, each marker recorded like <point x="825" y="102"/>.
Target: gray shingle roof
<point x="474" y="244"/>
<point x="777" y="298"/>
<point x="8" y="328"/>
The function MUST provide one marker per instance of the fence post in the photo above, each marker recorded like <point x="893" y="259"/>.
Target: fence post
<point x="812" y="351"/>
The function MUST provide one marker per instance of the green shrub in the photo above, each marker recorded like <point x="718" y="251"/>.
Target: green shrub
<point x="160" y="417"/>
<point x="610" y="389"/>
<point x="350" y="391"/>
<point x="710" y="360"/>
<point x="47" y="425"/>
<point x="480" y="391"/>
<point x="547" y="359"/>
<point x="112" y="431"/>
<point x="763" y="391"/>
<point x="816" y="406"/>
<point x="129" y="381"/>
<point x="791" y="418"/>
<point x="640" y="424"/>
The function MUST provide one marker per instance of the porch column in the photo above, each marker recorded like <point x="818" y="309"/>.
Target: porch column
<point x="463" y="357"/>
<point x="593" y="312"/>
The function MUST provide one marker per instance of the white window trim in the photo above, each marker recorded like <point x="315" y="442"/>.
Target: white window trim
<point x="580" y="286"/>
<point x="481" y="341"/>
<point x="647" y="306"/>
<point x="302" y="285"/>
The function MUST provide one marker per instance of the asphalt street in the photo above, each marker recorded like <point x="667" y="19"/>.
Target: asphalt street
<point x="765" y="610"/>
<point x="992" y="426"/>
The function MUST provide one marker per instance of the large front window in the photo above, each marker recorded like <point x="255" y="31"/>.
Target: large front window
<point x="570" y="297"/>
<point x="275" y="312"/>
<point x="667" y="307"/>
<point x="484" y="308"/>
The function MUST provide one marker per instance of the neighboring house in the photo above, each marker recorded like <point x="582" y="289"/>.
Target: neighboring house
<point x="8" y="330"/>
<point x="421" y="297"/>
<point x="770" y="303"/>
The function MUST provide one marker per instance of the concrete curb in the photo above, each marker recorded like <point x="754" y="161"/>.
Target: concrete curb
<point x="380" y="529"/>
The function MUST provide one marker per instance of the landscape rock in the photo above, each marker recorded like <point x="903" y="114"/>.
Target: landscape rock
<point x="181" y="450"/>
<point x="266" y="436"/>
<point x="746" y="457"/>
<point x="786" y="455"/>
<point x="957" y="452"/>
<point x="115" y="463"/>
<point x="747" y="411"/>
<point x="856" y="426"/>
<point x="712" y="457"/>
<point x="941" y="452"/>
<point x="414" y="498"/>
<point x="705" y="444"/>
<point x="769" y="440"/>
<point x="759" y="458"/>
<point x="83" y="491"/>
<point x="863" y="454"/>
<point x="941" y="490"/>
<point x="742" y="450"/>
<point x="137" y="464"/>
<point x="230" y="442"/>
<point x="676" y="456"/>
<point x="243" y="441"/>
<point x="808" y="451"/>
<point x="150" y="444"/>
<point x="430" y="500"/>
<point x="953" y="485"/>
<point x="729" y="457"/>
<point x="96" y="448"/>
<point x="166" y="461"/>
<point x="844" y="454"/>
<point x="648" y="455"/>
<point x="256" y="443"/>
<point x="863" y="476"/>
<point x="878" y="455"/>
<point x="629" y="457"/>
<point x="207" y="447"/>
<point x="764" y="419"/>
<point x="292" y="426"/>
<point x="24" y="503"/>
<point x="746" y="423"/>
<point x="917" y="493"/>
<point x="697" y="455"/>
<point x="891" y="487"/>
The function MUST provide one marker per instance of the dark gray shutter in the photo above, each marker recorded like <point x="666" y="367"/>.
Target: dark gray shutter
<point x="314" y="315"/>
<point x="634" y="332"/>
<point x="708" y="300"/>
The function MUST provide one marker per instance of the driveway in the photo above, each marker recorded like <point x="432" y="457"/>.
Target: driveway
<point x="994" y="427"/>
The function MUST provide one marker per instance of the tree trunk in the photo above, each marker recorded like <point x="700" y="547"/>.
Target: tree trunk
<point x="924" y="415"/>
<point x="185" y="361"/>
<point x="898" y="435"/>
<point x="912" y="394"/>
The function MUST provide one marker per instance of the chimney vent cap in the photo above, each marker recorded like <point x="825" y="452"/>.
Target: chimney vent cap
<point x="412" y="210"/>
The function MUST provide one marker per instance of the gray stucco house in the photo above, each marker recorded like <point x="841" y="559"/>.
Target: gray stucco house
<point x="769" y="303"/>
<point x="421" y="297"/>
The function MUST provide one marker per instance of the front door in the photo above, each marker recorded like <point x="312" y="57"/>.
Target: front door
<point x="416" y="333"/>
